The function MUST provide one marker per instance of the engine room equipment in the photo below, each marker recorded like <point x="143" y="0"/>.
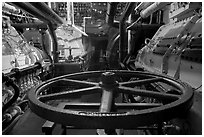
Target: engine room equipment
<point x="102" y="68"/>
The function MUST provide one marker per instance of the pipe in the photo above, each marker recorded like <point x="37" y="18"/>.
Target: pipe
<point x="111" y="10"/>
<point x="30" y="9"/>
<point x="54" y="40"/>
<point x="122" y="29"/>
<point x="148" y="11"/>
<point x="46" y="46"/>
<point x="49" y="13"/>
<point x="152" y="8"/>
<point x="127" y="11"/>
<point x="143" y="5"/>
<point x="43" y="12"/>
<point x="39" y="10"/>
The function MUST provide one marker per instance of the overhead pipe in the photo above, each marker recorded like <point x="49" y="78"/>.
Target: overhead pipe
<point x="39" y="10"/>
<point x="152" y="8"/>
<point x="49" y="13"/>
<point x="148" y="10"/>
<point x="31" y="10"/>
<point x="143" y="5"/>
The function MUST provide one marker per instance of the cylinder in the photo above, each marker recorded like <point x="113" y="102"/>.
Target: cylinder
<point x="152" y="8"/>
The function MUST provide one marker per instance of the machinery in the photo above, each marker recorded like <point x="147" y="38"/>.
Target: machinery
<point x="130" y="69"/>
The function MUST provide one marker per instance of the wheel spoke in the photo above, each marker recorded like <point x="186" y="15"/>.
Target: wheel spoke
<point x="81" y="82"/>
<point x="148" y="93"/>
<point x="139" y="82"/>
<point x="70" y="93"/>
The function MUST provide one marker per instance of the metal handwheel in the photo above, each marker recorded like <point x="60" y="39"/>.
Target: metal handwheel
<point x="111" y="114"/>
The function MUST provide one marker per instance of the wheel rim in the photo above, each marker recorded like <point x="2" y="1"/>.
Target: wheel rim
<point x="126" y="120"/>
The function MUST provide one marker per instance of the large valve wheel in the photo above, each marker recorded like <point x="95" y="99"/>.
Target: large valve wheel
<point x="112" y="114"/>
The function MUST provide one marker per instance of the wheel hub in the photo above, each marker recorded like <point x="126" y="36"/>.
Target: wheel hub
<point x="108" y="80"/>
